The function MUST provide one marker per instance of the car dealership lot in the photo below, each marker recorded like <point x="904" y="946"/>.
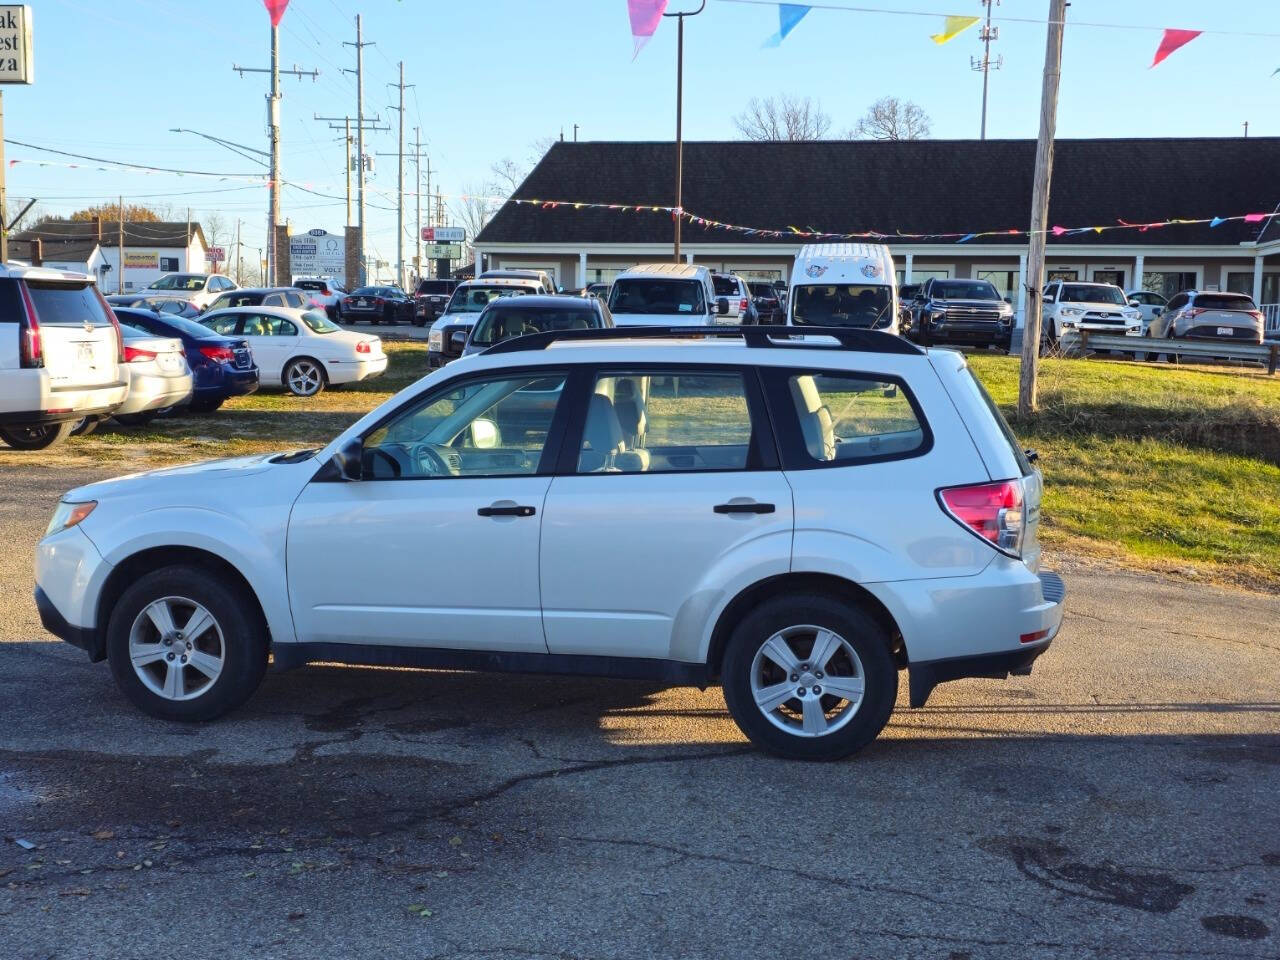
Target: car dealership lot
<point x="1119" y="801"/>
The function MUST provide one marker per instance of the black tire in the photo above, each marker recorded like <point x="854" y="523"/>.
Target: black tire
<point x="863" y="634"/>
<point x="85" y="427"/>
<point x="40" y="436"/>
<point x="419" y="321"/>
<point x="243" y="633"/>
<point x="206" y="406"/>
<point x="389" y="316"/>
<point x="136" y="419"/>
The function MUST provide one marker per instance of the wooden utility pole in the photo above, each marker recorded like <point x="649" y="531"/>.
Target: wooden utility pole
<point x="239" y="259"/>
<point x="1027" y="381"/>
<point x="678" y="215"/>
<point x="120" y="240"/>
<point x="347" y="124"/>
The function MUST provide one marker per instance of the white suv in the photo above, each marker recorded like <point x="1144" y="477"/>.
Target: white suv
<point x="61" y="355"/>
<point x="795" y="521"/>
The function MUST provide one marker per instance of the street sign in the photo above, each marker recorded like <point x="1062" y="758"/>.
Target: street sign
<point x="15" y="44"/>
<point x="216" y="255"/>
<point x="442" y="251"/>
<point x="317" y="253"/>
<point x="443" y="235"/>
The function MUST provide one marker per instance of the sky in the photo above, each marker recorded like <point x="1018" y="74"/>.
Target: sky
<point x="493" y="77"/>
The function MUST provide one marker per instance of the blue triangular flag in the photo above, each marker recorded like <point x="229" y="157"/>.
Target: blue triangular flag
<point x="789" y="14"/>
<point x="1216" y="222"/>
<point x="966" y="237"/>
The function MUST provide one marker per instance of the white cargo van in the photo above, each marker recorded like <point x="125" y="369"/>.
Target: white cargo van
<point x="667" y="294"/>
<point x="844" y="285"/>
<point x="61" y="355"/>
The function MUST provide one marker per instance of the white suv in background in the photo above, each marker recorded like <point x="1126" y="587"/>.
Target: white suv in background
<point x="1096" y="307"/>
<point x="61" y="355"/>
<point x="795" y="521"/>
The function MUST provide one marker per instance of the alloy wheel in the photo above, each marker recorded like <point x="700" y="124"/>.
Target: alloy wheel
<point x="176" y="648"/>
<point x="807" y="680"/>
<point x="305" y="378"/>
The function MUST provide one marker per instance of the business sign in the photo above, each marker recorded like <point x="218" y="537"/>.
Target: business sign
<point x="15" y="44"/>
<point x="443" y="235"/>
<point x="317" y="253"/>
<point x="216" y="255"/>
<point x="141" y="261"/>
<point x="442" y="251"/>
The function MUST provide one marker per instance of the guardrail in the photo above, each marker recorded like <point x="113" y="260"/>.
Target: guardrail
<point x="1082" y="340"/>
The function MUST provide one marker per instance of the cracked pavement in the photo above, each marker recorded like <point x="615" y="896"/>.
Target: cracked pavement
<point x="1119" y="802"/>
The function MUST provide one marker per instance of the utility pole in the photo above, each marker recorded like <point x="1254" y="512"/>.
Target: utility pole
<point x="399" y="155"/>
<point x="4" y="208"/>
<point x="360" y="44"/>
<point x="347" y="124"/>
<point x="575" y="133"/>
<point x="273" y="133"/>
<point x="678" y="214"/>
<point x="120" y="249"/>
<point x="417" y="197"/>
<point x="1027" y="379"/>
<point x="239" y="259"/>
<point x="1246" y="129"/>
<point x="986" y="64"/>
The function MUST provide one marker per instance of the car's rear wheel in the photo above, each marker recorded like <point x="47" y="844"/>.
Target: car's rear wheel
<point x="186" y="643"/>
<point x="206" y="406"/>
<point x="82" y="428"/>
<point x="304" y="377"/>
<point x="809" y="677"/>
<point x="37" y="436"/>
<point x="136" y="419"/>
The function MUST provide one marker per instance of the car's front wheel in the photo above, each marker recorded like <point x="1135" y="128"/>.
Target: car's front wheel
<point x="809" y="677"/>
<point x="38" y="436"/>
<point x="304" y="377"/>
<point x="186" y="643"/>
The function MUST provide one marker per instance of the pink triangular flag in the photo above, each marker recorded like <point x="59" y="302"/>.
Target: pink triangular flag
<point x="645" y="17"/>
<point x="275" y="10"/>
<point x="1171" y="41"/>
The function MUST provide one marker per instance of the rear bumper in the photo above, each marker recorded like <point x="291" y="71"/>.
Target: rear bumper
<point x="992" y="666"/>
<point x="156" y="393"/>
<point x="30" y="400"/>
<point x="345" y="371"/>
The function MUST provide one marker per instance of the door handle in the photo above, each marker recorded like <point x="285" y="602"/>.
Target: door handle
<point x="512" y="511"/>
<point x="744" y="508"/>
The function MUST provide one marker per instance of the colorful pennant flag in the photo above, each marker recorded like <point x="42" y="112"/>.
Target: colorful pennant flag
<point x="275" y="10"/>
<point x="645" y="17"/>
<point x="953" y="27"/>
<point x="1171" y="41"/>
<point x="789" y="14"/>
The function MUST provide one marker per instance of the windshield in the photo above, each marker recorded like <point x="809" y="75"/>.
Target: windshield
<point x="964" y="290"/>
<point x="318" y="322"/>
<point x="502" y="323"/>
<point x="657" y="296"/>
<point x="475" y="299"/>
<point x="319" y="285"/>
<point x="435" y="286"/>
<point x="842" y="305"/>
<point x="1089" y="293"/>
<point x="180" y="281"/>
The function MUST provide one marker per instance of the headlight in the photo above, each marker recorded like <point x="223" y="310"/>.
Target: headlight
<point x="435" y="341"/>
<point x="1132" y="314"/>
<point x="68" y="514"/>
<point x="1069" y="324"/>
<point x="1072" y="311"/>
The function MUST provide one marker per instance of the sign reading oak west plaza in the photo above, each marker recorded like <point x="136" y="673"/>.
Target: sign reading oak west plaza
<point x="442" y="251"/>
<point x="317" y="253"/>
<point x="443" y="234"/>
<point x="15" y="44"/>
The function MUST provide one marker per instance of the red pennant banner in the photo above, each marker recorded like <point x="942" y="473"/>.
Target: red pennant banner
<point x="1171" y="41"/>
<point x="275" y="10"/>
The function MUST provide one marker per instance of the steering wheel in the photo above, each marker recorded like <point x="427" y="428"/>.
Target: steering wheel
<point x="383" y="455"/>
<point x="429" y="461"/>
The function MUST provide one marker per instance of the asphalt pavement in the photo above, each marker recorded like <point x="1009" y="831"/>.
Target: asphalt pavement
<point x="1119" y="802"/>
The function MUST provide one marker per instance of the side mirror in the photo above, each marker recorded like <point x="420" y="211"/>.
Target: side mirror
<point x="484" y="434"/>
<point x="458" y="341"/>
<point x="1134" y="303"/>
<point x="722" y="306"/>
<point x="345" y="465"/>
<point x="1008" y="300"/>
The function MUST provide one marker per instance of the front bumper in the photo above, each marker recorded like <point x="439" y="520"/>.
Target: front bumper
<point x="88" y="639"/>
<point x="961" y="331"/>
<point x="70" y="574"/>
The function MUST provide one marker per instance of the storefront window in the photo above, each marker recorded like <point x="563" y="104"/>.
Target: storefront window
<point x="1006" y="281"/>
<point x="921" y="274"/>
<point x="755" y="273"/>
<point x="1243" y="283"/>
<point x="1168" y="282"/>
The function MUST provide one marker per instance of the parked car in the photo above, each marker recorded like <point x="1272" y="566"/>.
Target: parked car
<point x="262" y="297"/>
<point x="1099" y="307"/>
<point x="302" y="350"/>
<point x="1205" y="315"/>
<point x="466" y="304"/>
<point x="160" y="304"/>
<point x="519" y="316"/>
<point x="1150" y="304"/>
<point x="159" y="377"/>
<point x="767" y="303"/>
<point x="430" y="298"/>
<point x="662" y="294"/>
<point x="323" y="292"/>
<point x="599" y="291"/>
<point x="200" y="288"/>
<point x="843" y="285"/>
<point x="968" y="312"/>
<point x="377" y="304"/>
<point x="221" y="367"/>
<point x="735" y="291"/>
<point x="61" y="355"/>
<point x="539" y="276"/>
<point x="794" y="522"/>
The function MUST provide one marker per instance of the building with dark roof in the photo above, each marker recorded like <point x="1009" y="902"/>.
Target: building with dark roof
<point x="151" y="249"/>
<point x="908" y="187"/>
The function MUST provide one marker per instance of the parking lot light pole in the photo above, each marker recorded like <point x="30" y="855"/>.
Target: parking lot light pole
<point x="678" y="214"/>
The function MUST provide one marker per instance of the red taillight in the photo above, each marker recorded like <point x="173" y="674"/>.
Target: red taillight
<point x="31" y="348"/>
<point x="379" y="301"/>
<point x="742" y="307"/>
<point x="136" y="355"/>
<point x="1257" y="315"/>
<point x="219" y="354"/>
<point x="1193" y="312"/>
<point x="316" y="303"/>
<point x="364" y="347"/>
<point x="993" y="511"/>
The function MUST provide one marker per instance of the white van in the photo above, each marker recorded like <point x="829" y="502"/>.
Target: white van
<point x="844" y="285"/>
<point x="667" y="294"/>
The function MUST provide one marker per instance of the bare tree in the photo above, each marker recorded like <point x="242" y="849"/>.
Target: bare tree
<point x="472" y="211"/>
<point x="783" y="118"/>
<point x="507" y="176"/>
<point x="215" y="232"/>
<point x="892" y="119"/>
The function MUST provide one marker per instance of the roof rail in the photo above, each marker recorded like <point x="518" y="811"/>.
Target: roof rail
<point x="762" y="335"/>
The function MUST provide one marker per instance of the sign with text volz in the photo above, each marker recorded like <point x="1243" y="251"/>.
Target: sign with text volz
<point x="318" y="253"/>
<point x="443" y="234"/>
<point x="442" y="251"/>
<point x="16" y="65"/>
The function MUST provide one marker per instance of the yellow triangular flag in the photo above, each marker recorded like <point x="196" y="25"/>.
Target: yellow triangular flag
<point x="952" y="27"/>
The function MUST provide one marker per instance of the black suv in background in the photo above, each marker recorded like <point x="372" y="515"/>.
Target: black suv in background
<point x="961" y="311"/>
<point x="767" y="301"/>
<point x="430" y="299"/>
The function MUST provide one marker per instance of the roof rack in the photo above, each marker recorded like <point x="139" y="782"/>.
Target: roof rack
<point x="763" y="335"/>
